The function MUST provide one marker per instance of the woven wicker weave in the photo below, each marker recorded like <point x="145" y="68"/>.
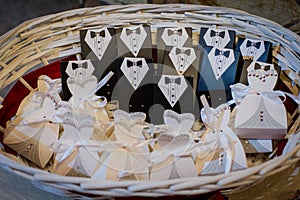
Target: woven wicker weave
<point x="39" y="41"/>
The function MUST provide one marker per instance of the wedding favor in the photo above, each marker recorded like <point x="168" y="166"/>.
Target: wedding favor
<point x="171" y="156"/>
<point x="82" y="85"/>
<point x="129" y="158"/>
<point x="262" y="109"/>
<point x="76" y="152"/>
<point x="31" y="132"/>
<point x="212" y="37"/>
<point x="221" y="150"/>
<point x="219" y="69"/>
<point x="135" y="79"/>
<point x="134" y="41"/>
<point x="100" y="46"/>
<point x="253" y="50"/>
<point x="174" y="92"/>
<point x="170" y="37"/>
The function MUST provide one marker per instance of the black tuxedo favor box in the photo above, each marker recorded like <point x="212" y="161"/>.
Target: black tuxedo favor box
<point x="138" y="41"/>
<point x="131" y="99"/>
<point x="105" y="63"/>
<point x="164" y="49"/>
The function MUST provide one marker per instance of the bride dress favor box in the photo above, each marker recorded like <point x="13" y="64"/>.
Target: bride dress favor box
<point x="76" y="152"/>
<point x="36" y="125"/>
<point x="221" y="150"/>
<point x="99" y="44"/>
<point x="261" y="113"/>
<point x="219" y="69"/>
<point x="253" y="49"/>
<point x="171" y="157"/>
<point x="128" y="160"/>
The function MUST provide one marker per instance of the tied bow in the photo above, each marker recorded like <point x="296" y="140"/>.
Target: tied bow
<point x="239" y="91"/>
<point x="220" y="34"/>
<point x="67" y="146"/>
<point x="136" y="31"/>
<point x="253" y="44"/>
<point x="182" y="51"/>
<point x="175" y="32"/>
<point x="132" y="63"/>
<point x="224" y="53"/>
<point x="262" y="67"/>
<point x="79" y="65"/>
<point x="169" y="80"/>
<point x="94" y="34"/>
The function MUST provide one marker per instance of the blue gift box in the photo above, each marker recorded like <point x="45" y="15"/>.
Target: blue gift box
<point x="210" y="37"/>
<point x="253" y="50"/>
<point x="219" y="69"/>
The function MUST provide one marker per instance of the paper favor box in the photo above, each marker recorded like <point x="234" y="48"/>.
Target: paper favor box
<point x="170" y="37"/>
<point x="134" y="90"/>
<point x="219" y="69"/>
<point x="100" y="46"/>
<point x="259" y="117"/>
<point x="211" y="37"/>
<point x="134" y="41"/>
<point x="253" y="50"/>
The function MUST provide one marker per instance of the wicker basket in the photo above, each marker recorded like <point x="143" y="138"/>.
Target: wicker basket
<point x="40" y="41"/>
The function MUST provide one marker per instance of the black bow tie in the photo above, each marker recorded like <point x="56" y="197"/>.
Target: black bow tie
<point x="224" y="53"/>
<point x="253" y="44"/>
<point x="101" y="34"/>
<point x="79" y="65"/>
<point x="220" y="34"/>
<point x="175" y="32"/>
<point x="137" y="31"/>
<point x="182" y="51"/>
<point x="169" y="80"/>
<point x="258" y="66"/>
<point x="138" y="63"/>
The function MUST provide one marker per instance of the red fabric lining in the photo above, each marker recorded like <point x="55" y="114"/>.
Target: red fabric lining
<point x="18" y="92"/>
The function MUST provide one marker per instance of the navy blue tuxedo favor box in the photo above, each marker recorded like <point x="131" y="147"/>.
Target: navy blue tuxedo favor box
<point x="219" y="69"/>
<point x="253" y="49"/>
<point x="210" y="37"/>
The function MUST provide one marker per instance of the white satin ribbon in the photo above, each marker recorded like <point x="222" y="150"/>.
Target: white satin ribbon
<point x="66" y="146"/>
<point x="239" y="91"/>
<point x="92" y="99"/>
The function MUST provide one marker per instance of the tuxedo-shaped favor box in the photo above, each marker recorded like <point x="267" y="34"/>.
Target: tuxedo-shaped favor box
<point x="173" y="92"/>
<point x="219" y="69"/>
<point x="134" y="86"/>
<point x="210" y="37"/>
<point x="183" y="61"/>
<point x="261" y="113"/>
<point x="170" y="37"/>
<point x="134" y="41"/>
<point x="252" y="49"/>
<point x="100" y="46"/>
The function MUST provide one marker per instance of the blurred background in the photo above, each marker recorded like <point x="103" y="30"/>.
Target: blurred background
<point x="14" y="12"/>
